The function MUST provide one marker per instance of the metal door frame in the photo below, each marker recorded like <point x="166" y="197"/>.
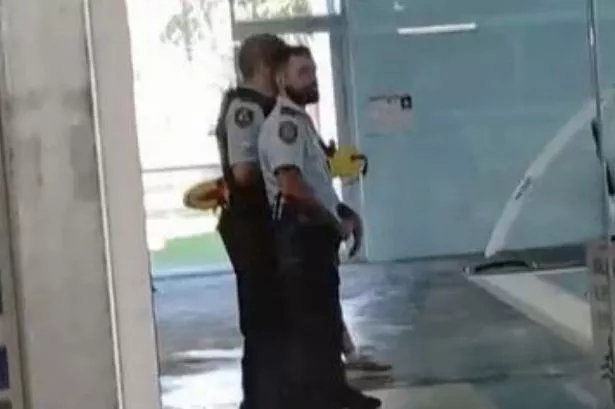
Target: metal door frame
<point x="10" y="323"/>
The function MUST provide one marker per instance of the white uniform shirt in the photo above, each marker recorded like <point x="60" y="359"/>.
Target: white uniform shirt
<point x="288" y="138"/>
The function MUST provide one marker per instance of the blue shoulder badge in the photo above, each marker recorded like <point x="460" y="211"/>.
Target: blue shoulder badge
<point x="288" y="132"/>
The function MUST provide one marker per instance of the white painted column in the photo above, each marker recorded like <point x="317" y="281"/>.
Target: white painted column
<point x="11" y="391"/>
<point x="87" y="334"/>
<point x="123" y="190"/>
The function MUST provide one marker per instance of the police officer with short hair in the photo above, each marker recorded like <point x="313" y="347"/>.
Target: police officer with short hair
<point x="245" y="221"/>
<point x="309" y="224"/>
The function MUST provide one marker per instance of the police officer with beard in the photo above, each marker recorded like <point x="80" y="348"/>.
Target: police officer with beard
<point x="309" y="224"/>
<point x="245" y="221"/>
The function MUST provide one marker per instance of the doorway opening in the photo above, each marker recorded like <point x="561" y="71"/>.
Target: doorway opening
<point x="183" y="62"/>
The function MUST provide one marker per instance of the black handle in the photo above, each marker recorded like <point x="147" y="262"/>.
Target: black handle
<point x="362" y="158"/>
<point x="610" y="184"/>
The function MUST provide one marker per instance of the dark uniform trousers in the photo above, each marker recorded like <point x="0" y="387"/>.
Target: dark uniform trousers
<point x="312" y="371"/>
<point x="248" y="238"/>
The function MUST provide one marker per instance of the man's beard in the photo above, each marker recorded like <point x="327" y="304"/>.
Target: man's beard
<point x="305" y="96"/>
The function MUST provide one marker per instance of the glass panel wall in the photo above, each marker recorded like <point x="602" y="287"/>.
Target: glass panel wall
<point x="492" y="177"/>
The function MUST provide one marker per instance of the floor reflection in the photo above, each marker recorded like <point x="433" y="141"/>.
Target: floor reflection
<point x="452" y="343"/>
<point x="218" y="388"/>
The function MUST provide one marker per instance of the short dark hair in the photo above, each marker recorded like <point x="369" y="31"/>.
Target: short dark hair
<point x="287" y="53"/>
<point x="257" y="49"/>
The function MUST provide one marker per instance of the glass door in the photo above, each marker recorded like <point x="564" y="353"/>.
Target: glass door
<point x="600" y="251"/>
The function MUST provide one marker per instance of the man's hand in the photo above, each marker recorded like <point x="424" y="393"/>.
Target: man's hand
<point x="352" y="221"/>
<point x="346" y="228"/>
<point x="357" y="233"/>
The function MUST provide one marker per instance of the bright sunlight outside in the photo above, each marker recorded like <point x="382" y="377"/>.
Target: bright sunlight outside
<point x="183" y="60"/>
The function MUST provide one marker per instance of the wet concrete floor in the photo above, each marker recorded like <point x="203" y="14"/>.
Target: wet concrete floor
<point x="452" y="344"/>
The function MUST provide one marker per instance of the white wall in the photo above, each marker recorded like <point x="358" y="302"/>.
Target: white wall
<point x="62" y="267"/>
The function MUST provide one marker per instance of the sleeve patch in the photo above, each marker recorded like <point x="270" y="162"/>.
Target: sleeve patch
<point x="288" y="132"/>
<point x="244" y="117"/>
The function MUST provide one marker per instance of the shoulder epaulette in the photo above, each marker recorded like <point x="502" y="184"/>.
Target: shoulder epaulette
<point x="249" y="95"/>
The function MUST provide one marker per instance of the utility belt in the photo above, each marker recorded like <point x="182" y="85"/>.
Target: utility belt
<point x="303" y="246"/>
<point x="247" y="233"/>
<point x="288" y="216"/>
<point x="248" y="203"/>
<point x="245" y="215"/>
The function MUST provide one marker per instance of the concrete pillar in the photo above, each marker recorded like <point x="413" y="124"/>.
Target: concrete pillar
<point x="81" y="273"/>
